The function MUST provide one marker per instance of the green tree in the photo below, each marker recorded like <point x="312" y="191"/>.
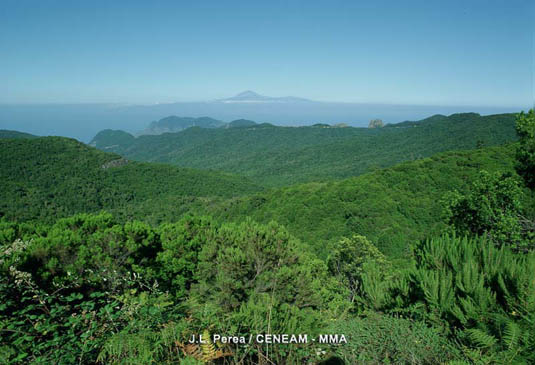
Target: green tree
<point x="493" y="207"/>
<point x="181" y="244"/>
<point x="525" y="153"/>
<point x="348" y="258"/>
<point x="259" y="279"/>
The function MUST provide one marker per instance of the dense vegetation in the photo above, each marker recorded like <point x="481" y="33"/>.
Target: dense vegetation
<point x="51" y="177"/>
<point x="94" y="289"/>
<point x="277" y="156"/>
<point x="526" y="154"/>
<point x="319" y="258"/>
<point x="392" y="207"/>
<point x="470" y="290"/>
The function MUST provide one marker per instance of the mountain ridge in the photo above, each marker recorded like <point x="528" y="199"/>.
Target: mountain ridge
<point x="279" y="156"/>
<point x="250" y="96"/>
<point x="49" y="177"/>
<point x="6" y="133"/>
<point x="173" y="124"/>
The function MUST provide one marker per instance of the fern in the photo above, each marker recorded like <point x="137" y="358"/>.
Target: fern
<point x="481" y="294"/>
<point x="129" y="348"/>
<point x="512" y="335"/>
<point x="205" y="352"/>
<point x="207" y="348"/>
<point x="481" y="338"/>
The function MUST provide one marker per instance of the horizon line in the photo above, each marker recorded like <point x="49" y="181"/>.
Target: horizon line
<point x="147" y="104"/>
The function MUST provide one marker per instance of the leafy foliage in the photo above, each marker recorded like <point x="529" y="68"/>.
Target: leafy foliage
<point x="383" y="339"/>
<point x="525" y="153"/>
<point x="348" y="258"/>
<point x="179" y="257"/>
<point x="132" y="286"/>
<point x="481" y="295"/>
<point x="259" y="279"/>
<point x="90" y="289"/>
<point x="492" y="207"/>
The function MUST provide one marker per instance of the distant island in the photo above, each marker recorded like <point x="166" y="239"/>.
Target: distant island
<point x="253" y="97"/>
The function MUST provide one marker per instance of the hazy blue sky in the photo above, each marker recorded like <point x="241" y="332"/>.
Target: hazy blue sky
<point x="447" y="52"/>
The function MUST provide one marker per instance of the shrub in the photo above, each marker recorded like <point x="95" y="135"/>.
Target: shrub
<point x="481" y="295"/>
<point x="383" y="339"/>
<point x="525" y="153"/>
<point x="347" y="259"/>
<point x="259" y="279"/>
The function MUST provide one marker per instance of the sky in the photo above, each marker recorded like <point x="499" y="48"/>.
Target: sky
<point x="468" y="52"/>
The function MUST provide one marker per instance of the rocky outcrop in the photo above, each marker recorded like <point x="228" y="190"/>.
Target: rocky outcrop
<point x="376" y="123"/>
<point x="115" y="163"/>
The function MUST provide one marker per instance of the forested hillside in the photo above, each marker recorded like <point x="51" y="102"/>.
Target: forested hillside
<point x="426" y="262"/>
<point x="15" y="135"/>
<point x="174" y="124"/>
<point x="393" y="207"/>
<point x="51" y="177"/>
<point x="278" y="156"/>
